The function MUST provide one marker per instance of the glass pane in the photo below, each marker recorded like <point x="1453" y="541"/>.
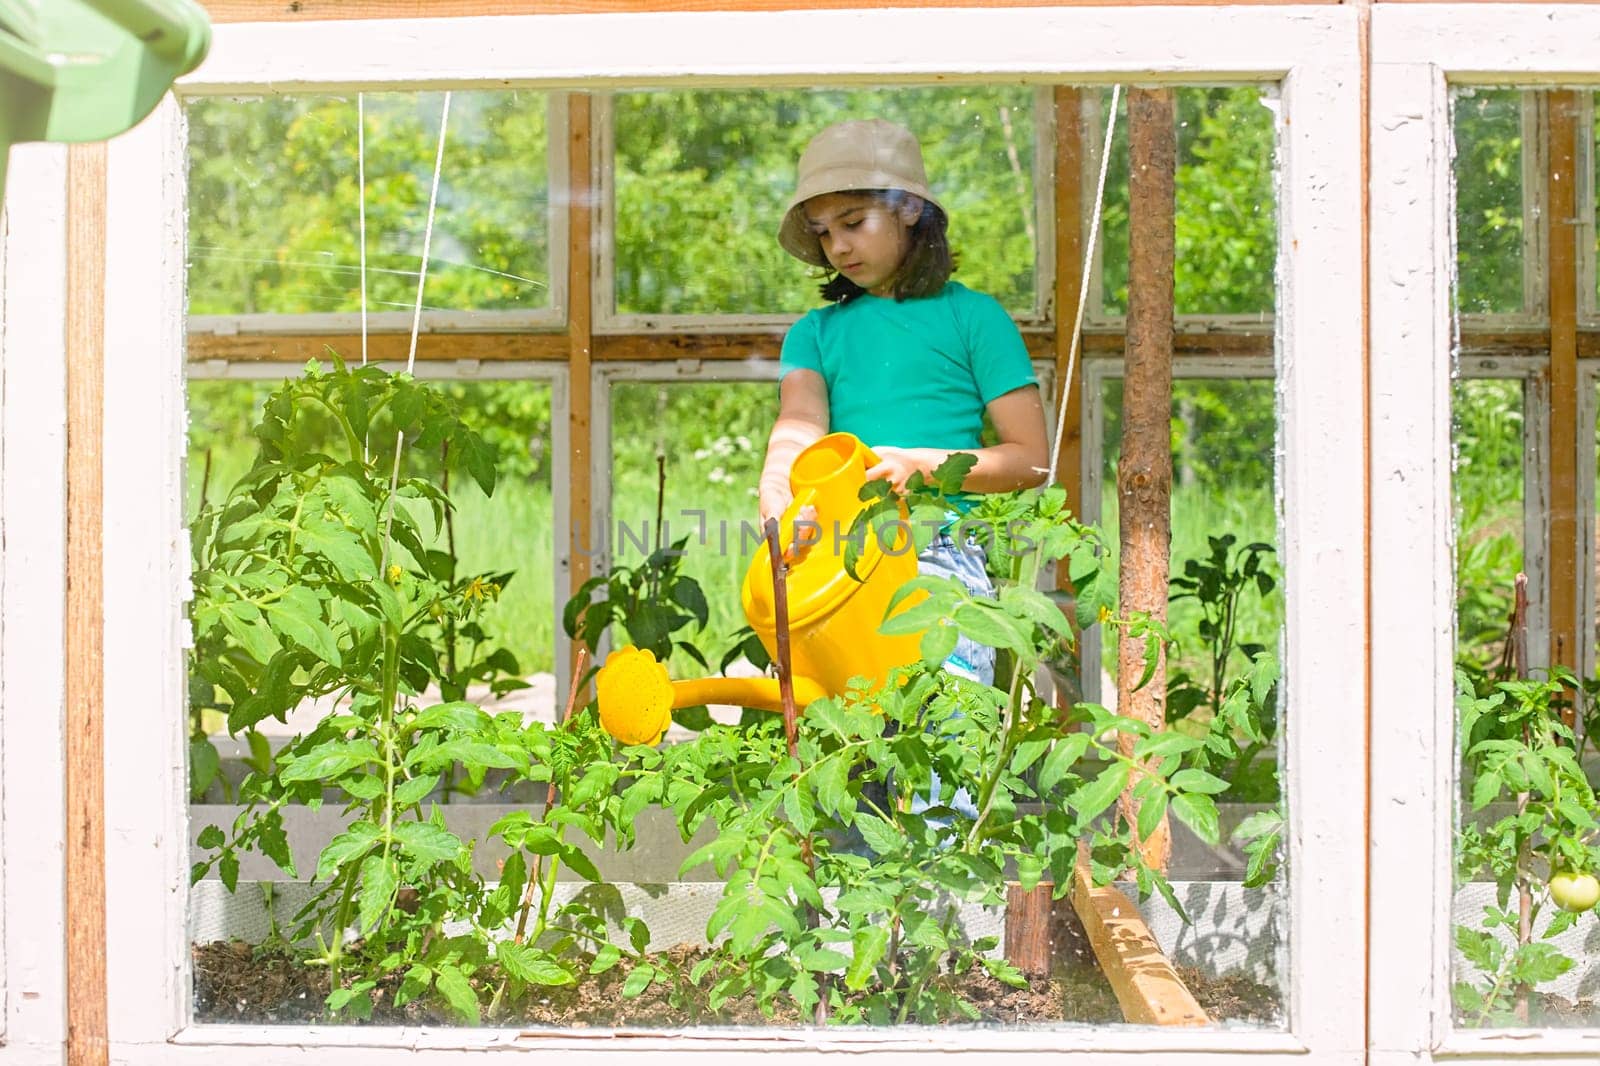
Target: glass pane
<point x="1226" y="220"/>
<point x="288" y="524"/>
<point x="708" y="440"/>
<point x="1488" y="173"/>
<point x="700" y="196"/>
<point x="1225" y="616"/>
<point x="1526" y="940"/>
<point x="274" y="203"/>
<point x="1488" y="442"/>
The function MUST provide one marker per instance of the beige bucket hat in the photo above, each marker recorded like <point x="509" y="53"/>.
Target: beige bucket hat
<point x="846" y="157"/>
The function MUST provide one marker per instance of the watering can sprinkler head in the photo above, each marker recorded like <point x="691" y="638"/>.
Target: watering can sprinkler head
<point x="833" y="618"/>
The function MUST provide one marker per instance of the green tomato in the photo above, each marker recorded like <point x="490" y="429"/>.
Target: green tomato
<point x="1574" y="892"/>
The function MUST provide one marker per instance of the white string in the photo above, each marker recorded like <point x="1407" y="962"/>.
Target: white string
<point x="361" y="184"/>
<point x="427" y="235"/>
<point x="416" y="323"/>
<point x="1083" y="290"/>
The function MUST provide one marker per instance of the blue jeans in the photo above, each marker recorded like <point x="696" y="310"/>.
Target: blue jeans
<point x="945" y="557"/>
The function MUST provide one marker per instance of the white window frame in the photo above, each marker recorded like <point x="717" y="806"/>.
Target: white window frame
<point x="33" y="408"/>
<point x="609" y="320"/>
<point x="551" y="317"/>
<point x="1096" y="372"/>
<point x="1314" y="52"/>
<point x="1417" y="53"/>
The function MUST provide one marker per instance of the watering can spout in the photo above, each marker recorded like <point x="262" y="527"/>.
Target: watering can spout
<point x="834" y="617"/>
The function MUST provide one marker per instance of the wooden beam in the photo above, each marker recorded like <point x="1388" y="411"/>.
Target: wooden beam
<point x="85" y="856"/>
<point x="313" y="10"/>
<point x="580" y="329"/>
<point x="1144" y="473"/>
<point x="1069" y="279"/>
<point x="296" y="348"/>
<point x="1147" y="988"/>
<point x="736" y="346"/>
<point x="1565" y="231"/>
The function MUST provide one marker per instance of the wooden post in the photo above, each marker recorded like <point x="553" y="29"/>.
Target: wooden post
<point x="1562" y="201"/>
<point x="1144" y="476"/>
<point x="580" y="330"/>
<point x="85" y="691"/>
<point x="1064" y="310"/>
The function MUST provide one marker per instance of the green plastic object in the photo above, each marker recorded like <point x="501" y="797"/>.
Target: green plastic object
<point x="86" y="70"/>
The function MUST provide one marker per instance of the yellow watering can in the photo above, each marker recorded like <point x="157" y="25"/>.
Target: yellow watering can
<point x="833" y="618"/>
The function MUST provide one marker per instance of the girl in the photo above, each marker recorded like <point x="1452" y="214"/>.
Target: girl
<point x="902" y="357"/>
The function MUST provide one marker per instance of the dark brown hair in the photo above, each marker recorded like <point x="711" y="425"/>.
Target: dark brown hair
<point x="927" y="265"/>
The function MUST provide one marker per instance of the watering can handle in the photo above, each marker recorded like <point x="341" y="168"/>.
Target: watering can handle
<point x="789" y="525"/>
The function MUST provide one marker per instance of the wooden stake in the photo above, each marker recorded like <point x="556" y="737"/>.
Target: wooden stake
<point x="85" y="688"/>
<point x="1144" y="475"/>
<point x="580" y="321"/>
<point x="1147" y="988"/>
<point x="1563" y="274"/>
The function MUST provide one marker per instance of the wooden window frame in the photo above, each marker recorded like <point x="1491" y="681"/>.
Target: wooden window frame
<point x="1418" y="53"/>
<point x="1316" y="55"/>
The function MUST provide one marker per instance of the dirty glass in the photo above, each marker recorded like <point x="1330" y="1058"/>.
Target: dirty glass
<point x="1525" y="938"/>
<point x="1225" y="617"/>
<point x="691" y="453"/>
<point x="441" y="852"/>
<point x="703" y="178"/>
<point x="274" y="203"/>
<point x="1488" y="131"/>
<point x="479" y="590"/>
<point x="1226" y="217"/>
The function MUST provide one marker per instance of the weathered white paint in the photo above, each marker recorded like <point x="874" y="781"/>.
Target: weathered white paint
<point x="33" y="241"/>
<point x="1417" y="50"/>
<point x="1149" y="45"/>
<point x="1491" y="44"/>
<point x="146" y="562"/>
<point x="1412" y="738"/>
<point x="1314" y="52"/>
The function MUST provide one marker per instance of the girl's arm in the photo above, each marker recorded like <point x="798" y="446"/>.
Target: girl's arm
<point x="802" y="419"/>
<point x="1019" y="461"/>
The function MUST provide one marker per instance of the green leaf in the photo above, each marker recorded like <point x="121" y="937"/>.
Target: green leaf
<point x="638" y="980"/>
<point x="427" y="843"/>
<point x="1102" y="792"/>
<point x="536" y="967"/>
<point x="343" y="550"/>
<point x="459" y="716"/>
<point x="329" y="760"/>
<point x="347" y="846"/>
<point x="307" y="630"/>
<point x="379" y="879"/>
<point x="457" y="991"/>
<point x="1485" y="789"/>
<point x="988" y="625"/>
<point x="1063" y="756"/>
<point x="1199" y="813"/>
<point x="882" y="837"/>
<point x="1150" y="812"/>
<point x="409" y="793"/>
<point x="1195" y="780"/>
<point x="211" y="837"/>
<point x="867" y="946"/>
<point x="204" y="764"/>
<point x="938" y="641"/>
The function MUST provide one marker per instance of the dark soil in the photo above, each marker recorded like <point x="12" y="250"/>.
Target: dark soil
<point x="237" y="983"/>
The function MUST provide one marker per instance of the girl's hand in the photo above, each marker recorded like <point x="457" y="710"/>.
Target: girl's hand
<point x="898" y="464"/>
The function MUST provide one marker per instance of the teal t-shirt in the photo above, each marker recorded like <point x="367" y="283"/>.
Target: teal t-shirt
<point x="913" y="373"/>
